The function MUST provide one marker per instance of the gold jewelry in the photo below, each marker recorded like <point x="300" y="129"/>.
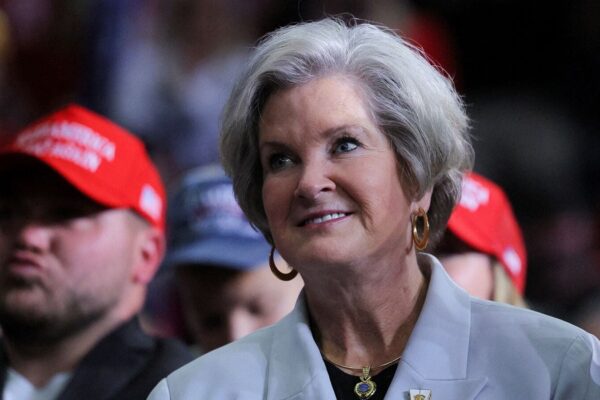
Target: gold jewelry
<point x="420" y="394"/>
<point x="283" y="276"/>
<point x="420" y="242"/>
<point x="366" y="387"/>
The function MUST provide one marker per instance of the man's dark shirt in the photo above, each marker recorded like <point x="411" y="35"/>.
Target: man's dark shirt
<point x="126" y="365"/>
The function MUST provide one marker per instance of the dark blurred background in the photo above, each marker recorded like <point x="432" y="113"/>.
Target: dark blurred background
<point x="528" y="70"/>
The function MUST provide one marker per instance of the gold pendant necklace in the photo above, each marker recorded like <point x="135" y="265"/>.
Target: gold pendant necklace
<point x="366" y="387"/>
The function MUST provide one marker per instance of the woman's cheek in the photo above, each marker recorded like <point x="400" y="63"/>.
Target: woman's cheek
<point x="274" y="201"/>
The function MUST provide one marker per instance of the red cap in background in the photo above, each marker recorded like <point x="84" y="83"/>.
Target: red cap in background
<point x="102" y="160"/>
<point x="484" y="220"/>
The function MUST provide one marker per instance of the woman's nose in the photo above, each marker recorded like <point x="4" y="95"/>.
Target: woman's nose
<point x="314" y="180"/>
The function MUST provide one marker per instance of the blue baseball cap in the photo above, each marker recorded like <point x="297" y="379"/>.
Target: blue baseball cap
<point x="205" y="225"/>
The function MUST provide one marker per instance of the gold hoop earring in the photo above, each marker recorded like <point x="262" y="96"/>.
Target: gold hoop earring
<point x="420" y="242"/>
<point x="284" y="277"/>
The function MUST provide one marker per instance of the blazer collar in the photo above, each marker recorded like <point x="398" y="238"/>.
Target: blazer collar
<point x="435" y="357"/>
<point x="437" y="352"/>
<point x="296" y="368"/>
<point x="439" y="344"/>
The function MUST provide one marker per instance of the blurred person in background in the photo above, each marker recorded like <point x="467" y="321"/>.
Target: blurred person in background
<point x="81" y="236"/>
<point x="482" y="248"/>
<point x="218" y="265"/>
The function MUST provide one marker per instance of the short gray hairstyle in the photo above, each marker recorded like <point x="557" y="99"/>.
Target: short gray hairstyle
<point x="413" y="104"/>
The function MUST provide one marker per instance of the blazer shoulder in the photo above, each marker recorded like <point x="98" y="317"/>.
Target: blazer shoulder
<point x="521" y="336"/>
<point x="507" y="318"/>
<point x="550" y="356"/>
<point x="579" y="375"/>
<point x="240" y="366"/>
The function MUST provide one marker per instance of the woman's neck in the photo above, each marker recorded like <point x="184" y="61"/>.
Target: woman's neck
<point x="368" y="320"/>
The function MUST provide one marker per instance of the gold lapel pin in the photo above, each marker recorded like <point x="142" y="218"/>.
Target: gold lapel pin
<point x="420" y="394"/>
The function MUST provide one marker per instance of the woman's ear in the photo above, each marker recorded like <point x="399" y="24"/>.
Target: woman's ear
<point x="424" y="202"/>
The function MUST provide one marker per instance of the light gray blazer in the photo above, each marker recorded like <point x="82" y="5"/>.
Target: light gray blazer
<point x="461" y="348"/>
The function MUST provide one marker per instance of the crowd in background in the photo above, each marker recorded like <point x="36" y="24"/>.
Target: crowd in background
<point x="527" y="70"/>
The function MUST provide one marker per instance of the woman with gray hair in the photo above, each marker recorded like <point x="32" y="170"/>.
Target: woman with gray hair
<point x="346" y="149"/>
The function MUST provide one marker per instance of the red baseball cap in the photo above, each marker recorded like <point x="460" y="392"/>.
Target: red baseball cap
<point x="102" y="160"/>
<point x="484" y="220"/>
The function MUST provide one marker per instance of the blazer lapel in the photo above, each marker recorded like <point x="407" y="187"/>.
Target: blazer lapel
<point x="296" y="368"/>
<point x="437" y="352"/>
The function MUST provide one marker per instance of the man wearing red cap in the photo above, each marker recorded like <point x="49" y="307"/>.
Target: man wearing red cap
<point x="81" y="235"/>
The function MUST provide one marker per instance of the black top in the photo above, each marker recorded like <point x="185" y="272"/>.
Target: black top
<point x="126" y="364"/>
<point x="343" y="383"/>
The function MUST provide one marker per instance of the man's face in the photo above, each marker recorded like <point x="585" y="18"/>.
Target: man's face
<point x="65" y="261"/>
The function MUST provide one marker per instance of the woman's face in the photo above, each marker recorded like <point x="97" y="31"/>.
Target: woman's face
<point x="331" y="191"/>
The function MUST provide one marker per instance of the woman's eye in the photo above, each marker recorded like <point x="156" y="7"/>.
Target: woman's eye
<point x="345" y="145"/>
<point x="279" y="161"/>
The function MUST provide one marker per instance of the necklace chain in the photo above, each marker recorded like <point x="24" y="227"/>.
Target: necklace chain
<point x="361" y="369"/>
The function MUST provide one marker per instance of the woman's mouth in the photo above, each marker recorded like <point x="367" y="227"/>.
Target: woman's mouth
<point x="324" y="218"/>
